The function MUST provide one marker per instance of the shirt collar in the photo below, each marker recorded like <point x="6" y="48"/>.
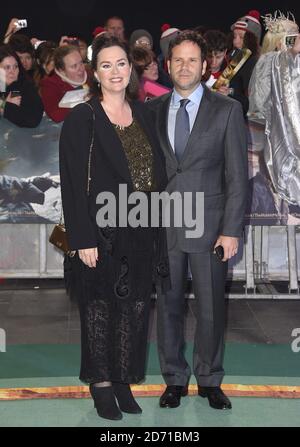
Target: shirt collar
<point x="194" y="97"/>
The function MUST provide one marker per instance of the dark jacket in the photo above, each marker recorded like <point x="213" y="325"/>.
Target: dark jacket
<point x="214" y="162"/>
<point x="109" y="167"/>
<point x="30" y="112"/>
<point x="240" y="83"/>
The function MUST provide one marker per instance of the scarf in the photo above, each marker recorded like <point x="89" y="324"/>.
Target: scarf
<point x="72" y="83"/>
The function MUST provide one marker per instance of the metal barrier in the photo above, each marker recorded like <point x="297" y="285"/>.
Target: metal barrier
<point x="266" y="254"/>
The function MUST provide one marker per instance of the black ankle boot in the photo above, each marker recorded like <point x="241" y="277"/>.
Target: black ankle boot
<point x="125" y="398"/>
<point x="105" y="402"/>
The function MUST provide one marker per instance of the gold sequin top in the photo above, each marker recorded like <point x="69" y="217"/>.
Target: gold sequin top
<point x="139" y="156"/>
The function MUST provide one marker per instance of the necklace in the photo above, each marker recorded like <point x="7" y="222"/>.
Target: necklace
<point x="117" y="126"/>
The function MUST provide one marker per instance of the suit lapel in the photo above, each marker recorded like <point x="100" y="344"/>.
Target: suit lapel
<point x="163" y="115"/>
<point x="202" y="122"/>
<point x="110" y="142"/>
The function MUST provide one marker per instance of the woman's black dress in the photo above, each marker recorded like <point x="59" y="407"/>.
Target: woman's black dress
<point x="114" y="299"/>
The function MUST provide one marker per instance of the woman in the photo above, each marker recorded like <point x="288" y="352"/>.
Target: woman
<point x="239" y="84"/>
<point x="21" y="103"/>
<point x="146" y="66"/>
<point x="70" y="74"/>
<point x="115" y="264"/>
<point x="23" y="47"/>
<point x="45" y="61"/>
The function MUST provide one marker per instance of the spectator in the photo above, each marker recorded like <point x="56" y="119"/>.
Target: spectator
<point x="216" y="54"/>
<point x="145" y="63"/>
<point x="21" y="104"/>
<point x="115" y="26"/>
<point x="45" y="61"/>
<point x="168" y="34"/>
<point x="23" y="47"/>
<point x="141" y="38"/>
<point x="83" y="48"/>
<point x="69" y="74"/>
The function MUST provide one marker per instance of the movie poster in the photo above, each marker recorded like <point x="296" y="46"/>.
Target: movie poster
<point x="30" y="183"/>
<point x="29" y="173"/>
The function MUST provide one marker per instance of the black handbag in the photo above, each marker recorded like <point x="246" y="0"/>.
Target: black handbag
<point x="58" y="237"/>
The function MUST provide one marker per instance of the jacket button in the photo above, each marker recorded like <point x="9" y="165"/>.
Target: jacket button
<point x="179" y="171"/>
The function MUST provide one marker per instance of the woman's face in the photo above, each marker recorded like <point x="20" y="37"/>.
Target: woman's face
<point x="11" y="69"/>
<point x="238" y="38"/>
<point x="113" y="70"/>
<point x="74" y="67"/>
<point x="26" y="60"/>
<point x="49" y="66"/>
<point x="151" y="71"/>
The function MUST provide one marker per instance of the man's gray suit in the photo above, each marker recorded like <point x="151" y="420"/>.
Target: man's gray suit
<point x="215" y="163"/>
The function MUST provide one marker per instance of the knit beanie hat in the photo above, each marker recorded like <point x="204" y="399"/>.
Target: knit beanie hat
<point x="137" y="34"/>
<point x="168" y="34"/>
<point x="249" y="22"/>
<point x="98" y="30"/>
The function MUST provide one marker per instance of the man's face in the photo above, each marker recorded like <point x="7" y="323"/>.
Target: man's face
<point x="215" y="60"/>
<point x="186" y="67"/>
<point x="116" y="27"/>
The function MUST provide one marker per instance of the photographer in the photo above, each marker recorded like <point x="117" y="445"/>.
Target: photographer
<point x="20" y="104"/>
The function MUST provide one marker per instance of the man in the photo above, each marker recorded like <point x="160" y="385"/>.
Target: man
<point x="210" y="157"/>
<point x="115" y="26"/>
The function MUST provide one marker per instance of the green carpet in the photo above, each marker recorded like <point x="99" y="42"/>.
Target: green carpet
<point x="193" y="412"/>
<point x="24" y="361"/>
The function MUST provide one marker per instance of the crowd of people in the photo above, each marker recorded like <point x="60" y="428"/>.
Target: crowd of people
<point x="38" y="73"/>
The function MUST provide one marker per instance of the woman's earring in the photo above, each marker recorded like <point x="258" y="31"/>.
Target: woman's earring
<point x="97" y="79"/>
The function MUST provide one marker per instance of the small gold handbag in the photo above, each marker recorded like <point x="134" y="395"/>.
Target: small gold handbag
<point x="58" y="236"/>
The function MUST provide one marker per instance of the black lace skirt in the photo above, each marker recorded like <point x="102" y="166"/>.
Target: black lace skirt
<point x="114" y="303"/>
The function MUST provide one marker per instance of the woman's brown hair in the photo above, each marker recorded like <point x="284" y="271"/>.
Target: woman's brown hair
<point x="107" y="41"/>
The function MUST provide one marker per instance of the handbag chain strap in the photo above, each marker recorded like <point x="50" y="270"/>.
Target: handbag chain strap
<point x="61" y="221"/>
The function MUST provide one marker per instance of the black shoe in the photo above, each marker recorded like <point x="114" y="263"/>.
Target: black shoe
<point x="172" y="395"/>
<point x="105" y="402"/>
<point x="125" y="398"/>
<point x="216" y="397"/>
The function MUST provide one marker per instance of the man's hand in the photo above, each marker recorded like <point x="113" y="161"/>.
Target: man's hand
<point x="230" y="246"/>
<point x="89" y="256"/>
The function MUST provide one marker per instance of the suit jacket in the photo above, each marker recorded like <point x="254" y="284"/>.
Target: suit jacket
<point x="214" y="162"/>
<point x="109" y="167"/>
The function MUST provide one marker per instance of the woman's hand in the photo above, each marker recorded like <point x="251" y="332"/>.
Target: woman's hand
<point x="12" y="28"/>
<point x="16" y="100"/>
<point x="89" y="256"/>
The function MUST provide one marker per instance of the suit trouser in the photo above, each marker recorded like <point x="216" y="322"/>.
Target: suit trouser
<point x="209" y="276"/>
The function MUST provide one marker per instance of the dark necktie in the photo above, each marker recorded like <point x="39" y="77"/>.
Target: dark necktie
<point x="182" y="129"/>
